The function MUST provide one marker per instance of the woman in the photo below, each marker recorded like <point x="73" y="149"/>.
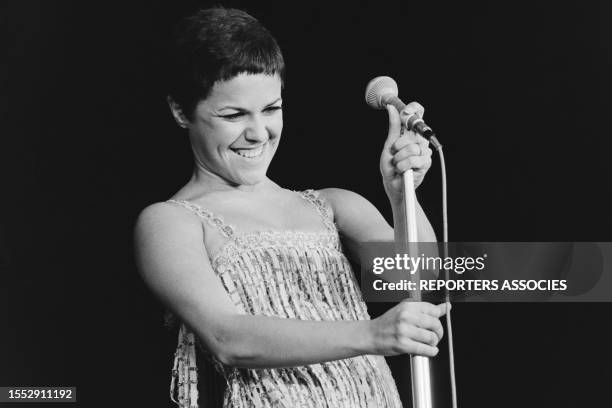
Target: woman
<point x="256" y="272"/>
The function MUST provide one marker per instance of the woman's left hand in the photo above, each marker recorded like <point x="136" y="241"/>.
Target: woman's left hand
<point x="403" y="150"/>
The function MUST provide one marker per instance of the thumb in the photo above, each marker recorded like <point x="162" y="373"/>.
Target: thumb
<point x="395" y="125"/>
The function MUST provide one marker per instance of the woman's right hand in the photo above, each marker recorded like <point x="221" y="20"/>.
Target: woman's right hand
<point x="409" y="327"/>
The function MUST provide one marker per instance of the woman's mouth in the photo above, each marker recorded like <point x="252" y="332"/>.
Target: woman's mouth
<point x="250" y="153"/>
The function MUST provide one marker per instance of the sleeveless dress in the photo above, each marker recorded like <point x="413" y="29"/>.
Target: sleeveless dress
<point x="287" y="274"/>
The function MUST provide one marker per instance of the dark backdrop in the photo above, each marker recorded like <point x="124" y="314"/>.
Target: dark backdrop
<point x="518" y="93"/>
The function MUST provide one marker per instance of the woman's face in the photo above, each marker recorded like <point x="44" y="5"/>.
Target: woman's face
<point x="235" y="131"/>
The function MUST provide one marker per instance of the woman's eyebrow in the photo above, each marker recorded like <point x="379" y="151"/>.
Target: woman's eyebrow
<point x="232" y="107"/>
<point x="246" y="110"/>
<point x="275" y="101"/>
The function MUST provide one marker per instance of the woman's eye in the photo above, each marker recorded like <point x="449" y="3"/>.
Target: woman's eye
<point x="271" y="109"/>
<point x="233" y="116"/>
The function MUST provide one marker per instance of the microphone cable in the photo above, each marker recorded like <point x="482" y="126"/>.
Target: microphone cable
<point x="449" y="328"/>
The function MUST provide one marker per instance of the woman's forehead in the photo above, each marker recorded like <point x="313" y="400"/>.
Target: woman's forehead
<point x="257" y="89"/>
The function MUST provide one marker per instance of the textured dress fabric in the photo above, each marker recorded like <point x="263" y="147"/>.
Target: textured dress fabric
<point x="286" y="274"/>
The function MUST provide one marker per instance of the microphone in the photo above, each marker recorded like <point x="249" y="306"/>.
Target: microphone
<point x="382" y="91"/>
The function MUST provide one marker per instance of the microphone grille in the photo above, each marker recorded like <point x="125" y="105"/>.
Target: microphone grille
<point x="379" y="86"/>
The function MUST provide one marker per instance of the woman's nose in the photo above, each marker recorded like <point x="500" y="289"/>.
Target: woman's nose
<point x="257" y="131"/>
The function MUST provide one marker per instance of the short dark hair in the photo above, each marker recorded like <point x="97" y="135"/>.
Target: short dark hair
<point x="218" y="44"/>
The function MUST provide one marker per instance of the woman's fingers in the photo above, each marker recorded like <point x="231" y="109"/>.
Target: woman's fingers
<point x="409" y="138"/>
<point x="412" y="108"/>
<point x="401" y="145"/>
<point x="428" y="323"/>
<point x="424" y="316"/>
<point x="392" y="164"/>
<point x="425" y="350"/>
<point x="431" y="309"/>
<point x="418" y="334"/>
<point x="409" y="327"/>
<point x="418" y="348"/>
<point x="411" y="150"/>
<point x="413" y="162"/>
<point x="410" y="111"/>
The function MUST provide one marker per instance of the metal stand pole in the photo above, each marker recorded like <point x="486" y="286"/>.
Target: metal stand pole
<point x="419" y="365"/>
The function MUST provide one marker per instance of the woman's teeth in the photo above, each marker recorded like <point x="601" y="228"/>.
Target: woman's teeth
<point x="249" y="153"/>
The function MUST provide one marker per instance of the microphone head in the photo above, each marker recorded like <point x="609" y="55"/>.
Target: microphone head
<point x="377" y="88"/>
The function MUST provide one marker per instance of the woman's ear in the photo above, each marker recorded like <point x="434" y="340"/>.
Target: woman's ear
<point x="177" y="112"/>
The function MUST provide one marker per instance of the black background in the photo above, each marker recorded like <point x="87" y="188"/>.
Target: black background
<point x="517" y="92"/>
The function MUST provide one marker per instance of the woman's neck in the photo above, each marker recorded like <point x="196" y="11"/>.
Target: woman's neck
<point x="204" y="180"/>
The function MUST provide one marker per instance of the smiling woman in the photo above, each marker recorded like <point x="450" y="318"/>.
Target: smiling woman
<point x="234" y="132"/>
<point x="256" y="273"/>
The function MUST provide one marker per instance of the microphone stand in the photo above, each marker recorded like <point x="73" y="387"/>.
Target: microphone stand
<point x="419" y="365"/>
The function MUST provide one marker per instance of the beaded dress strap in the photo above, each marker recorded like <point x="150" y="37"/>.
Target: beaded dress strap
<point x="322" y="206"/>
<point x="217" y="222"/>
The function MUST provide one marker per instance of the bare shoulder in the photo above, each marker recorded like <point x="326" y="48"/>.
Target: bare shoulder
<point x="164" y="217"/>
<point x="156" y="212"/>
<point x="165" y="230"/>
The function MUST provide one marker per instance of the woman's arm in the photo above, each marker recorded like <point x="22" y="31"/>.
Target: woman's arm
<point x="173" y="262"/>
<point x="359" y="221"/>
